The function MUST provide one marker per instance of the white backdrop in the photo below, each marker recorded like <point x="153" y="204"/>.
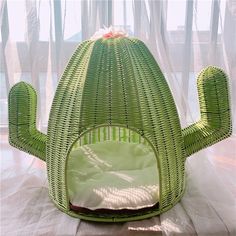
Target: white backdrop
<point x="38" y="37"/>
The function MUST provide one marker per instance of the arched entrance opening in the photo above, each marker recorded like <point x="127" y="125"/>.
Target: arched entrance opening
<point x="112" y="170"/>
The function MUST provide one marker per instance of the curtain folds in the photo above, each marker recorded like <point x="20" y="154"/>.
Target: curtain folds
<point x="38" y="37"/>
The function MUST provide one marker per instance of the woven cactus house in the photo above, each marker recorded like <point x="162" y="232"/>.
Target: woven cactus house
<point x="113" y="110"/>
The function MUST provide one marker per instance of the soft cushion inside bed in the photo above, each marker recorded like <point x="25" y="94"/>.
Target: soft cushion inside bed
<point x="113" y="175"/>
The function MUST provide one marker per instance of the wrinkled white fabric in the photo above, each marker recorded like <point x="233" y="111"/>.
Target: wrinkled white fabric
<point x="210" y="200"/>
<point x="26" y="208"/>
<point x="208" y="206"/>
<point x="35" y="48"/>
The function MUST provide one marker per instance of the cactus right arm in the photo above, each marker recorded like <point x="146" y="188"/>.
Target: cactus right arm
<point x="22" y="121"/>
<point x="215" y="123"/>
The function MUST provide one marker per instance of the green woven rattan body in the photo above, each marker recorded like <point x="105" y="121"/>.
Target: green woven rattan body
<point x="117" y="82"/>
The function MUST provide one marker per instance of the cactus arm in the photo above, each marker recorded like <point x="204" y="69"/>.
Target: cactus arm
<point x="215" y="122"/>
<point x="23" y="133"/>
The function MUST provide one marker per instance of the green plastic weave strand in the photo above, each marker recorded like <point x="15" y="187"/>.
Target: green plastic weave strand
<point x="116" y="82"/>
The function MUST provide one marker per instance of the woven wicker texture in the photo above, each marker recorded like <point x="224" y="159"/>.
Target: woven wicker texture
<point x="22" y="121"/>
<point x="110" y="86"/>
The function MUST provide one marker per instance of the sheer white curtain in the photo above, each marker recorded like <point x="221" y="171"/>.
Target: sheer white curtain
<point x="38" y="37"/>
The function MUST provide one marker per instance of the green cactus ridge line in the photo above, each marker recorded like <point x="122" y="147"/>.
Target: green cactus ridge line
<point x="111" y="83"/>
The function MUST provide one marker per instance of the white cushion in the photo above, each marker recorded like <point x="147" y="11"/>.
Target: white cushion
<point x="113" y="175"/>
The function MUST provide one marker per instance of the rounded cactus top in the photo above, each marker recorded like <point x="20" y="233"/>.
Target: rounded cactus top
<point x="108" y="80"/>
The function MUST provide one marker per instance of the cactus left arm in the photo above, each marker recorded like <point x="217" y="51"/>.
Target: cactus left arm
<point x="215" y="122"/>
<point x="22" y="121"/>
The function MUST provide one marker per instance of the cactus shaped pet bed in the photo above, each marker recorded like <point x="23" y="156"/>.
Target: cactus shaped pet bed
<point x="114" y="148"/>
